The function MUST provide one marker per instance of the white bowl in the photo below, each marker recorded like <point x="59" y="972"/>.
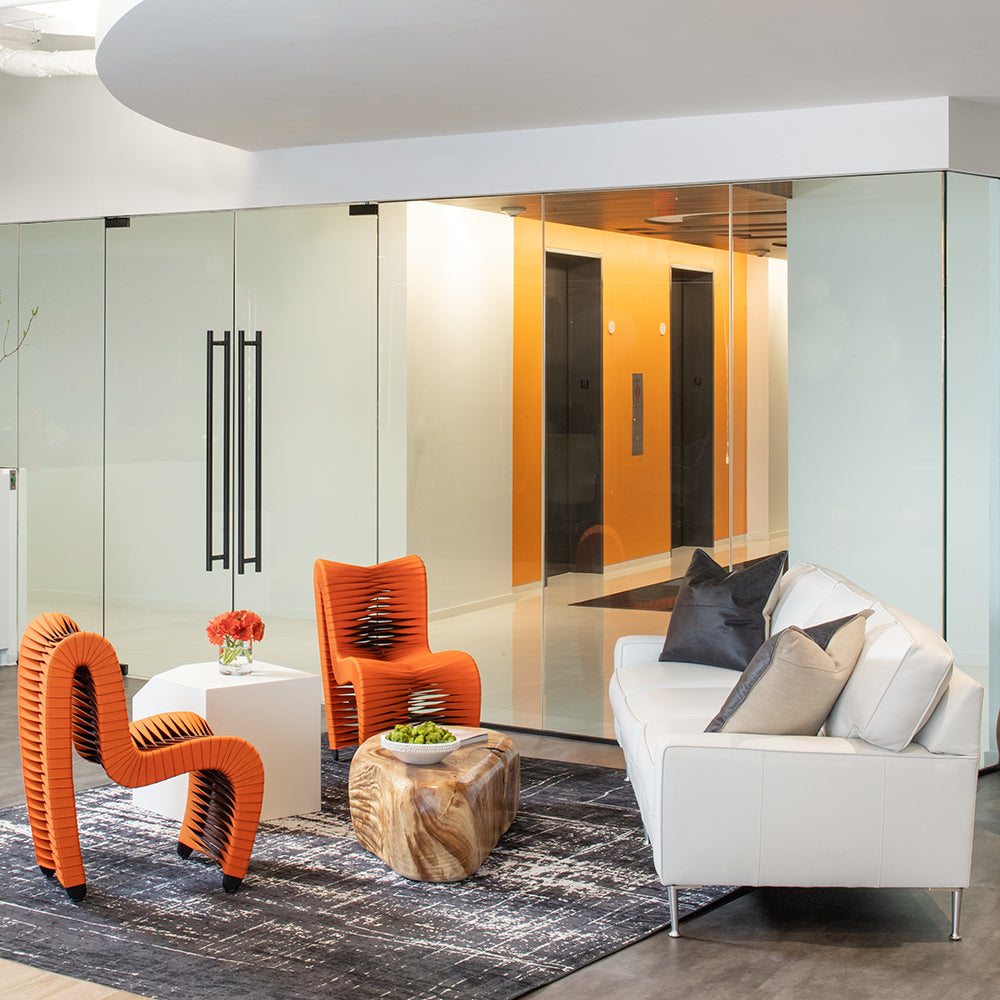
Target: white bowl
<point x="418" y="753"/>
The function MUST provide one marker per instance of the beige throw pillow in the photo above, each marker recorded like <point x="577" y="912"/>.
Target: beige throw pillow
<point x="793" y="680"/>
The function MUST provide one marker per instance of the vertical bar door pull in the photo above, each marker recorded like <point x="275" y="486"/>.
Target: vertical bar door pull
<point x="211" y="558"/>
<point x="242" y="559"/>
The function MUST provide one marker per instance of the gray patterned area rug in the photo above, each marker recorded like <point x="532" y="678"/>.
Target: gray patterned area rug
<point x="318" y="916"/>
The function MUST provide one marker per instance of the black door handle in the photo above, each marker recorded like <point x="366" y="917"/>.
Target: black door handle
<point x="210" y="557"/>
<point x="242" y="559"/>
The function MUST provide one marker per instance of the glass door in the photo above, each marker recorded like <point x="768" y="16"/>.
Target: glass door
<point x="170" y="310"/>
<point x="306" y="413"/>
<point x="241" y="424"/>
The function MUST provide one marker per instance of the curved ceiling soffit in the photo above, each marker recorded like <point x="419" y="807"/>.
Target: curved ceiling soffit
<point x="256" y="75"/>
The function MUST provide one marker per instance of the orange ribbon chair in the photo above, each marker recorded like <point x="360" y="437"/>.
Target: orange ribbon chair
<point x="377" y="666"/>
<point x="70" y="694"/>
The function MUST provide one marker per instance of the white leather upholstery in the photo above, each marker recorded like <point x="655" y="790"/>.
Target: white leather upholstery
<point x="901" y="672"/>
<point x="724" y="808"/>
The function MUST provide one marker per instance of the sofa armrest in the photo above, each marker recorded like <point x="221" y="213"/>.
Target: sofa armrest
<point x="735" y="809"/>
<point x="631" y="649"/>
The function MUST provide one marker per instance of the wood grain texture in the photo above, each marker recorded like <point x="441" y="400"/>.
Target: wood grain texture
<point x="26" y="983"/>
<point x="436" y="822"/>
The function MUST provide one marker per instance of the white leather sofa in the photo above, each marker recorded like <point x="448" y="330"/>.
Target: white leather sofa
<point x="883" y="796"/>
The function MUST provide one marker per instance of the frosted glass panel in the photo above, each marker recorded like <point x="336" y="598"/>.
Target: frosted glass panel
<point x="865" y="384"/>
<point x="307" y="280"/>
<point x="10" y="331"/>
<point x="61" y="420"/>
<point x="170" y="280"/>
<point x="973" y="418"/>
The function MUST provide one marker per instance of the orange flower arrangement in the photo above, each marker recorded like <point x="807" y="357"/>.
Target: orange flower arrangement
<point x="232" y="629"/>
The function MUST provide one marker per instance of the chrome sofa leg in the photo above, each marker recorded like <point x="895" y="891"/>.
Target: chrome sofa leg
<point x="956" y="914"/>
<point x="672" y="894"/>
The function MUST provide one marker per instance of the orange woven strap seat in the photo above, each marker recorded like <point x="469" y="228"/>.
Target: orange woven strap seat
<point x="70" y="694"/>
<point x="377" y="666"/>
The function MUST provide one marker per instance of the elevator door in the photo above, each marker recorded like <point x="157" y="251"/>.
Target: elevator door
<point x="692" y="408"/>
<point x="573" y="415"/>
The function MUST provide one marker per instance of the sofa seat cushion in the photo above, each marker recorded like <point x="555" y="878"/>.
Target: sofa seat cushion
<point x="683" y="696"/>
<point x="638" y="677"/>
<point x="689" y="709"/>
<point x="720" y="618"/>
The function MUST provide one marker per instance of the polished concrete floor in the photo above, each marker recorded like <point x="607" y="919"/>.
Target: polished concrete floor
<point x="779" y="944"/>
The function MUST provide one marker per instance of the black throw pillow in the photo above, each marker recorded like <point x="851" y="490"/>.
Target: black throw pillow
<point x="718" y="617"/>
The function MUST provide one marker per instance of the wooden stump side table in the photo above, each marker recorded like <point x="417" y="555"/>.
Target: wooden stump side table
<point x="434" y="822"/>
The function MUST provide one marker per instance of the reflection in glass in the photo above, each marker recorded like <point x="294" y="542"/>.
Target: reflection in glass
<point x="584" y="468"/>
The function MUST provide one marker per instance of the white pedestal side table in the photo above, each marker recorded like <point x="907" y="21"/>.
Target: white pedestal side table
<point x="277" y="709"/>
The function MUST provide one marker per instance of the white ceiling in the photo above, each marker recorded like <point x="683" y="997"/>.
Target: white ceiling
<point x="62" y="17"/>
<point x="256" y="74"/>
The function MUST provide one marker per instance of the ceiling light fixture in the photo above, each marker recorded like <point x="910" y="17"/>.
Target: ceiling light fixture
<point x="513" y="210"/>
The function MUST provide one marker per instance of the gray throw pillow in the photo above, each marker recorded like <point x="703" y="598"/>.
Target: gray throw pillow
<point x="793" y="680"/>
<point x="718" y="617"/>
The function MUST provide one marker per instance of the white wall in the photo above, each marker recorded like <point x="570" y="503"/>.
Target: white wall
<point x="767" y="425"/>
<point x="758" y="434"/>
<point x="865" y="384"/>
<point x="777" y="334"/>
<point x="459" y="344"/>
<point x="75" y="152"/>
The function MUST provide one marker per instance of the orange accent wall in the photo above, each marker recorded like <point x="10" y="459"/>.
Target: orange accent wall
<point x="636" y="289"/>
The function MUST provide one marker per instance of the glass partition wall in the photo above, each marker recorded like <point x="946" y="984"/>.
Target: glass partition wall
<point x="810" y="365"/>
<point x="552" y="399"/>
<point x="579" y="421"/>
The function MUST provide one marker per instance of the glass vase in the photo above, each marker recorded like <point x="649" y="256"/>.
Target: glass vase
<point x="235" y="657"/>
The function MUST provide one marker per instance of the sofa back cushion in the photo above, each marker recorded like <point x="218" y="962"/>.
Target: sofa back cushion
<point x="899" y="679"/>
<point x="903" y="669"/>
<point x="808" y="595"/>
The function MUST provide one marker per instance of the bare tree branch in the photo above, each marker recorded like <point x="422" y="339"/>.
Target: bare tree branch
<point x="21" y="337"/>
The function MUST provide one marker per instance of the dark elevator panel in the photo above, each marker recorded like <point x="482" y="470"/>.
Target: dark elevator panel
<point x="692" y="408"/>
<point x="574" y="431"/>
